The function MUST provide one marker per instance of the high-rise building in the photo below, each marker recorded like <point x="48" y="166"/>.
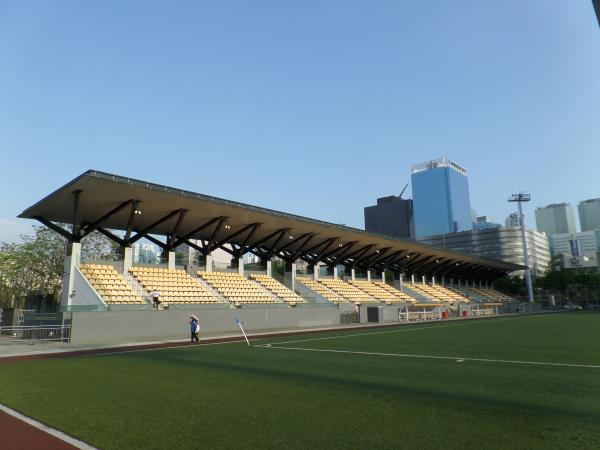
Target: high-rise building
<point x="441" y="202"/>
<point x="578" y="250"/>
<point x="557" y="218"/>
<point x="392" y="216"/>
<point x="589" y="214"/>
<point x="503" y="243"/>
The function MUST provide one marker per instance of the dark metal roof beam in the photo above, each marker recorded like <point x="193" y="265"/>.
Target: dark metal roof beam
<point x="210" y="245"/>
<point x="389" y="259"/>
<point x="243" y="247"/>
<point x="194" y="246"/>
<point x="381" y="254"/>
<point x="273" y="248"/>
<point x="359" y="252"/>
<point x="417" y="266"/>
<point x="344" y="249"/>
<point x="330" y="242"/>
<point x="358" y="255"/>
<point x="294" y="255"/>
<point x="60" y="230"/>
<point x="413" y="261"/>
<point x="428" y="268"/>
<point x="76" y="230"/>
<point x="141" y="233"/>
<point x="88" y="228"/>
<point x="266" y="238"/>
<point x="185" y="238"/>
<point x="111" y="236"/>
<point x="222" y="247"/>
<point x="156" y="241"/>
<point x="292" y="241"/>
<point x="173" y="237"/>
<point x="130" y="220"/>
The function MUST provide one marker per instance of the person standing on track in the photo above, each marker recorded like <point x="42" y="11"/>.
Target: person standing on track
<point x="194" y="329"/>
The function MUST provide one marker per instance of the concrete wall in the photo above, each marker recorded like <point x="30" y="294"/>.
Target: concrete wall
<point x="118" y="327"/>
<point x="82" y="293"/>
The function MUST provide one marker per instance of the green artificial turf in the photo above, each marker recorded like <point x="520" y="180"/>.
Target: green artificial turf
<point x="231" y="396"/>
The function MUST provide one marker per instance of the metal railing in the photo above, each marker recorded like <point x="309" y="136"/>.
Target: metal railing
<point x="32" y="334"/>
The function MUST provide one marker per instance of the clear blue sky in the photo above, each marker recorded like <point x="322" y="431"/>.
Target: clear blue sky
<point x="314" y="108"/>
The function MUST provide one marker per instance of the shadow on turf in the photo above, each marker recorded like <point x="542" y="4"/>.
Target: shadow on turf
<point x="346" y="377"/>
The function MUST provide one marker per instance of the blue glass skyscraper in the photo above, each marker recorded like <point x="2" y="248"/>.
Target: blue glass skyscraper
<point x="441" y="202"/>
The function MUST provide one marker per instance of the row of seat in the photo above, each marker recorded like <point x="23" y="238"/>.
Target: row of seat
<point x="382" y="291"/>
<point x="347" y="290"/>
<point x="488" y="294"/>
<point x="236" y="288"/>
<point x="439" y="293"/>
<point x="109" y="284"/>
<point x="322" y="290"/>
<point x="278" y="289"/>
<point x="175" y="286"/>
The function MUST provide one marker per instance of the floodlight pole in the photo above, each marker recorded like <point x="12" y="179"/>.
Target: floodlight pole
<point x="519" y="199"/>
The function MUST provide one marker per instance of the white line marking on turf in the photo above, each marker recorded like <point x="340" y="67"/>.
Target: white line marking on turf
<point x="401" y="330"/>
<point x="457" y="359"/>
<point x="46" y="429"/>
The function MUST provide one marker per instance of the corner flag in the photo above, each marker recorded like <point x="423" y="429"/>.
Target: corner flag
<point x="239" y="322"/>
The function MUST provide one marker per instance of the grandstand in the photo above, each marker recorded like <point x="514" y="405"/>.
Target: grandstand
<point x="110" y="284"/>
<point x="127" y="210"/>
<point x="174" y="286"/>
<point x="236" y="288"/>
<point x="277" y="289"/>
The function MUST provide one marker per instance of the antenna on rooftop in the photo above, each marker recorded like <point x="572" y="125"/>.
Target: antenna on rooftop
<point x="403" y="190"/>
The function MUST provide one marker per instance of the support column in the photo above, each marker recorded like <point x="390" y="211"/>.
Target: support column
<point x="335" y="272"/>
<point x="444" y="281"/>
<point x="72" y="260"/>
<point x="423" y="280"/>
<point x="459" y="283"/>
<point x="241" y="266"/>
<point x="289" y="273"/>
<point x="127" y="258"/>
<point x="294" y="277"/>
<point x="383" y="276"/>
<point x="369" y="275"/>
<point x="433" y="281"/>
<point x="269" y="268"/>
<point x="412" y="279"/>
<point x="401" y="283"/>
<point x="452" y="282"/>
<point x="316" y="269"/>
<point x="208" y="260"/>
<point x="171" y="261"/>
<point x="480" y="284"/>
<point x="353" y="274"/>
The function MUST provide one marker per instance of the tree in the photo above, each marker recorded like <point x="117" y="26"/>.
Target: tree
<point x="36" y="266"/>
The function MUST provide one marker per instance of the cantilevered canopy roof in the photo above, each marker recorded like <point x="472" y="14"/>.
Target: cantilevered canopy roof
<point x="104" y="202"/>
